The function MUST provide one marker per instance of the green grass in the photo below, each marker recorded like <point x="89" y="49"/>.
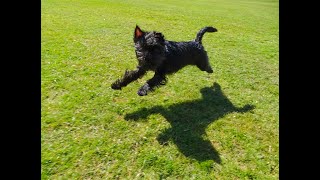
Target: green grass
<point x="199" y="126"/>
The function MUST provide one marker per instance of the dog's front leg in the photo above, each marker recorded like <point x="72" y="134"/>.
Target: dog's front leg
<point x="157" y="80"/>
<point x="128" y="77"/>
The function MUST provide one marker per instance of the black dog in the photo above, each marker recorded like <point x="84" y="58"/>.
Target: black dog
<point x="163" y="57"/>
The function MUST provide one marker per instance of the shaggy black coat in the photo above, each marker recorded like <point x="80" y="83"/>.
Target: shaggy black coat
<point x="163" y="57"/>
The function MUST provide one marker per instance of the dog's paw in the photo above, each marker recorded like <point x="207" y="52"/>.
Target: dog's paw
<point x="115" y="86"/>
<point x="209" y="70"/>
<point x="142" y="92"/>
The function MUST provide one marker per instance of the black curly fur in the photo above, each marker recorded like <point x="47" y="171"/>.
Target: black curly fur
<point x="163" y="57"/>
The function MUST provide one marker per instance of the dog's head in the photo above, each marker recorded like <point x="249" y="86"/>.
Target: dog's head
<point x="149" y="47"/>
<point x="148" y="40"/>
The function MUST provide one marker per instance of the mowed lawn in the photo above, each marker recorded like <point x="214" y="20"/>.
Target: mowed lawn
<point x="223" y="125"/>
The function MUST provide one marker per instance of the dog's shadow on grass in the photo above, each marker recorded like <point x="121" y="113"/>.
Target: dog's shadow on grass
<point x="189" y="120"/>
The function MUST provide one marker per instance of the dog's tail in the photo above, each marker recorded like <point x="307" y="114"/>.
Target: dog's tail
<point x="204" y="30"/>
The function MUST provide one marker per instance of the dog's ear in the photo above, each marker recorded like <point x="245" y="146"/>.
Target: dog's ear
<point x="138" y="32"/>
<point x="159" y="37"/>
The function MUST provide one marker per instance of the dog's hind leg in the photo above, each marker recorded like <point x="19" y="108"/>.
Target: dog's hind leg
<point x="128" y="77"/>
<point x="157" y="80"/>
<point x="204" y="64"/>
